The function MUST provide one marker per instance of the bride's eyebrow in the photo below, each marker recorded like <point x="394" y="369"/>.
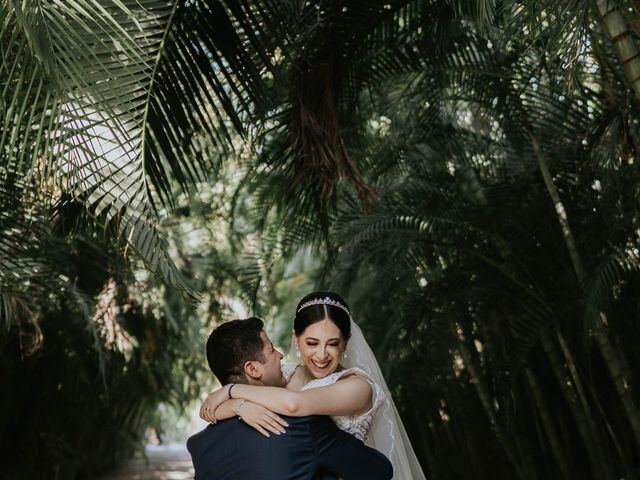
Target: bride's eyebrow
<point x="337" y="339"/>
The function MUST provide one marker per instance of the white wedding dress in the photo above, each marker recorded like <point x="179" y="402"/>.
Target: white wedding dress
<point x="356" y="425"/>
<point x="380" y="427"/>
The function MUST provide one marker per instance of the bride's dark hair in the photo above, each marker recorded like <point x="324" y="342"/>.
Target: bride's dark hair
<point x="311" y="309"/>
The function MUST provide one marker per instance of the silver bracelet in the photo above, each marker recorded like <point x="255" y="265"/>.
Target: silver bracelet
<point x="237" y="410"/>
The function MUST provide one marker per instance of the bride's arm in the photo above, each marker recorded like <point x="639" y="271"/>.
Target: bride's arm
<point x="349" y="396"/>
<point x="254" y="415"/>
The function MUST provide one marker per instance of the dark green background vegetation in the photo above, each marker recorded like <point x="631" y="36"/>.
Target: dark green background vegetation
<point x="465" y="173"/>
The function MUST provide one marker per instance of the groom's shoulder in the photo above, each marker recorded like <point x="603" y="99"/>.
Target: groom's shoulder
<point x="195" y="440"/>
<point x="208" y="436"/>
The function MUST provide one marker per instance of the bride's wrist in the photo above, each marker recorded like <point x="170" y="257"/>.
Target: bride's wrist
<point x="237" y="409"/>
<point x="231" y="385"/>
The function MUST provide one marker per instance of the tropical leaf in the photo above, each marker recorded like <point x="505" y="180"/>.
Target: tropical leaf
<point x="109" y="98"/>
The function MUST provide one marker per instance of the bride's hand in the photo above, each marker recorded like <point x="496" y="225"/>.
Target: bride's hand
<point x="213" y="401"/>
<point x="261" y="418"/>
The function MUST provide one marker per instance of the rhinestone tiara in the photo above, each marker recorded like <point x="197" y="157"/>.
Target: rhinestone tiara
<point x="324" y="301"/>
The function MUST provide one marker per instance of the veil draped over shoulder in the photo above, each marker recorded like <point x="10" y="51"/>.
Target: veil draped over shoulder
<point x="387" y="434"/>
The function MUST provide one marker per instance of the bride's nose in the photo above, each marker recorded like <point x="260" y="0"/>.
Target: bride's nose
<point x="322" y="353"/>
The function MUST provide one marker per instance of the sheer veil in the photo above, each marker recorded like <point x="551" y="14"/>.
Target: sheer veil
<point x="387" y="434"/>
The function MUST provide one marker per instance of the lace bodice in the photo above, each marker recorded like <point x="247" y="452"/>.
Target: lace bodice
<point x="356" y="425"/>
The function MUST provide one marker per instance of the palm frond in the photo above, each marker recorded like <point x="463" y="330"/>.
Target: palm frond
<point x="114" y="97"/>
<point x="602" y="288"/>
<point x="32" y="265"/>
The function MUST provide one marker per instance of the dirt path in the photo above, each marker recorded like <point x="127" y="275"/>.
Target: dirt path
<point x="171" y="462"/>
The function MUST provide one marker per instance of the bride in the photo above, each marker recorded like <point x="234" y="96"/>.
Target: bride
<point x="338" y="376"/>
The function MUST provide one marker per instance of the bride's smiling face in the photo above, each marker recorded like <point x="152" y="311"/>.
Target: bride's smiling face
<point x="321" y="346"/>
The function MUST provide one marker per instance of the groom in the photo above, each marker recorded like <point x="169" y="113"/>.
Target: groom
<point x="312" y="448"/>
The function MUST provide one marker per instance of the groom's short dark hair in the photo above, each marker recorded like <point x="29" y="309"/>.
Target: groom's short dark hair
<point x="231" y="345"/>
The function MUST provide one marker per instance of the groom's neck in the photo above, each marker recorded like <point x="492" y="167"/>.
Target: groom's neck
<point x="246" y="381"/>
<point x="254" y="381"/>
<point x="260" y="383"/>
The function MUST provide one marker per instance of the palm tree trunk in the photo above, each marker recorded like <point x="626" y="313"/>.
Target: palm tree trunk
<point x="448" y="431"/>
<point x="582" y="395"/>
<point x="485" y="397"/>
<point x="543" y="164"/>
<point x="621" y="375"/>
<point x="528" y="465"/>
<point x="622" y="39"/>
<point x="576" y="378"/>
<point x="613" y="358"/>
<point x="418" y="412"/>
<point x="474" y="465"/>
<point x="579" y="416"/>
<point x="547" y="424"/>
<point x="443" y="444"/>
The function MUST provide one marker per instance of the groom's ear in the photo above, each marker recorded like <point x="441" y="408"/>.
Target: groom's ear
<point x="252" y="370"/>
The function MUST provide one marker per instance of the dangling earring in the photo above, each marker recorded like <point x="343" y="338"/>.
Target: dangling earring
<point x="297" y="352"/>
<point x="344" y="355"/>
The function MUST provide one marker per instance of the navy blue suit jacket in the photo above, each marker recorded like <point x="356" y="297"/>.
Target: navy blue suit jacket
<point x="312" y="448"/>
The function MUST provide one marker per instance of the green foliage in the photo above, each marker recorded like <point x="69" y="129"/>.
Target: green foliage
<point x="465" y="173"/>
<point x="109" y="109"/>
<point x="89" y="374"/>
<point x="498" y="256"/>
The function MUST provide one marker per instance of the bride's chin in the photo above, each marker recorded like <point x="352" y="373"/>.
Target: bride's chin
<point x="320" y="372"/>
